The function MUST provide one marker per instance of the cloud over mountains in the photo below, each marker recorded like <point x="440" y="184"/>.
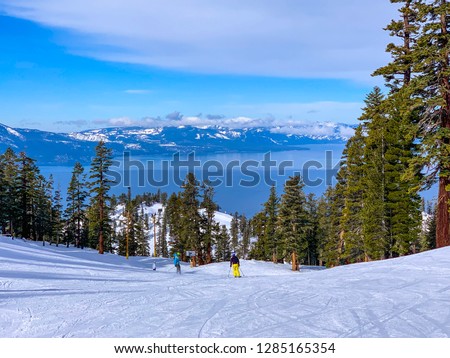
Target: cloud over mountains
<point x="274" y="125"/>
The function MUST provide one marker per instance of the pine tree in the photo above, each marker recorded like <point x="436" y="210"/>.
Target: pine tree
<point x="174" y="222"/>
<point x="423" y="61"/>
<point x="258" y="223"/>
<point x="27" y="181"/>
<point x="209" y="207"/>
<point x="399" y="72"/>
<point x="381" y="216"/>
<point x="245" y="229"/>
<point x="100" y="227"/>
<point x="25" y="197"/>
<point x="402" y="199"/>
<point x="265" y="226"/>
<point x="49" y="224"/>
<point x="75" y="212"/>
<point x="3" y="198"/>
<point x="42" y="214"/>
<point x="234" y="232"/>
<point x="429" y="241"/>
<point x="57" y="222"/>
<point x="398" y="124"/>
<point x="312" y="229"/>
<point x="163" y="249"/>
<point x="190" y="234"/>
<point x="271" y="249"/>
<point x="325" y="228"/>
<point x="331" y="234"/>
<point x="9" y="205"/>
<point x="293" y="220"/>
<point x="433" y="86"/>
<point x="129" y="245"/>
<point x="222" y="252"/>
<point x="143" y="248"/>
<point x="374" y="168"/>
<point x="351" y="222"/>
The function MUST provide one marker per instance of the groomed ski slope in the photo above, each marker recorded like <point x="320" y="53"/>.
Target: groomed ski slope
<point x="68" y="292"/>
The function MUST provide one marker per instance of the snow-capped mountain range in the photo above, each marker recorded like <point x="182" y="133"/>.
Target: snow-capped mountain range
<point x="66" y="148"/>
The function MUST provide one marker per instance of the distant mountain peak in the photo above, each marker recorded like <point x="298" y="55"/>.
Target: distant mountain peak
<point x="65" y="148"/>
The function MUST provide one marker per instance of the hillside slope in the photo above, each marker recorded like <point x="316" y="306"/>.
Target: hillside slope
<point x="67" y="292"/>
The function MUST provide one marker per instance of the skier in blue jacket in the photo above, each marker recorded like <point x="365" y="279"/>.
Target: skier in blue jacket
<point x="234" y="263"/>
<point x="176" y="262"/>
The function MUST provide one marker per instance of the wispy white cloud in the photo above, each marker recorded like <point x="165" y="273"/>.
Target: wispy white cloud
<point x="315" y="129"/>
<point x="289" y="38"/>
<point x="321" y="111"/>
<point x="320" y="129"/>
<point x="346" y="132"/>
<point x="117" y="122"/>
<point x="285" y="126"/>
<point x="74" y="123"/>
<point x="138" y="91"/>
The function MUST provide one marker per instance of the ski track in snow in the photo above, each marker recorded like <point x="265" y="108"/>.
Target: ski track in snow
<point x="67" y="292"/>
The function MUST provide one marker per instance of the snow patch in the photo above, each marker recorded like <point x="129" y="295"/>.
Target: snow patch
<point x="93" y="136"/>
<point x="14" y="133"/>
<point x="45" y="288"/>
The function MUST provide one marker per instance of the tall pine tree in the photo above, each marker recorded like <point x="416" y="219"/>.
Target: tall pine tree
<point x="422" y="60"/>
<point x="293" y="220"/>
<point x="272" y="242"/>
<point x="190" y="235"/>
<point x="351" y="221"/>
<point x="432" y="84"/>
<point x="100" y="226"/>
<point x="77" y="194"/>
<point x="208" y="226"/>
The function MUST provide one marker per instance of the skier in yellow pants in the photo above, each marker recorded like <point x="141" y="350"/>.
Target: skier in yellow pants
<point x="234" y="262"/>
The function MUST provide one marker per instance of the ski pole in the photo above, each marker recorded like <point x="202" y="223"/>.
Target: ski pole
<point x="242" y="273"/>
<point x="229" y="272"/>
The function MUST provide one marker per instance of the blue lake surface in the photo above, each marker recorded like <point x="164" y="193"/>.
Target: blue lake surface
<point x="242" y="181"/>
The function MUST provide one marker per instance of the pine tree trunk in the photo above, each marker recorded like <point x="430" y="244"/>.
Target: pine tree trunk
<point x="25" y="227"/>
<point x="77" y="239"/>
<point x="442" y="216"/>
<point x="201" y="262"/>
<point x="442" y="220"/>
<point x="100" y="234"/>
<point x="294" y="262"/>
<point x="208" y="253"/>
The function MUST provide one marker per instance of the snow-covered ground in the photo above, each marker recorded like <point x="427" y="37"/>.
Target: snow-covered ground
<point x="68" y="292"/>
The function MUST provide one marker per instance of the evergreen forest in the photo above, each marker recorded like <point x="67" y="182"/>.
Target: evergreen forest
<point x="374" y="210"/>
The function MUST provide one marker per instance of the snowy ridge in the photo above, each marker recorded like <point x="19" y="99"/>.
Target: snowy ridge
<point x="44" y="289"/>
<point x="89" y="137"/>
<point x="14" y="133"/>
<point x="51" y="148"/>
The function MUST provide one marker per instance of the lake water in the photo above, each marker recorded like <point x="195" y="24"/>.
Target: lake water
<point x="242" y="181"/>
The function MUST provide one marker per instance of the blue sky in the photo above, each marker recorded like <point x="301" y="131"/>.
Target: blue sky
<point x="79" y="65"/>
